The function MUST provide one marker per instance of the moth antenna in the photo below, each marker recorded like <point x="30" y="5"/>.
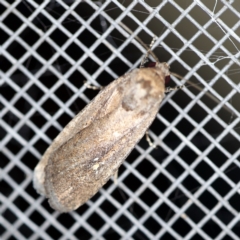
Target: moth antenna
<point x="177" y="75"/>
<point x="199" y="88"/>
<point x="140" y="41"/>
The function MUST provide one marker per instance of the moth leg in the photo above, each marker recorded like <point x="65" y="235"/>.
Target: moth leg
<point x="168" y="89"/>
<point x="151" y="144"/>
<point x="92" y="86"/>
<point x="116" y="177"/>
<point x="145" y="57"/>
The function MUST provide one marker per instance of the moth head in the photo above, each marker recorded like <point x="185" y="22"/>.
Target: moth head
<point x="164" y="67"/>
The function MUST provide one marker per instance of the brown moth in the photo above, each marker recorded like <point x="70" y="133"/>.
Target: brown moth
<point x="91" y="148"/>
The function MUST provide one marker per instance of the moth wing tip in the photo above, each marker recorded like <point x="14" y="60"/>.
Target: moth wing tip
<point x="39" y="179"/>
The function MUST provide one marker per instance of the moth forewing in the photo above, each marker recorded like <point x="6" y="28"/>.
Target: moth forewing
<point x="82" y="120"/>
<point x="91" y="148"/>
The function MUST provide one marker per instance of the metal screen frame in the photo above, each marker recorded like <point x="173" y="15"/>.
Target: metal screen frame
<point x="187" y="187"/>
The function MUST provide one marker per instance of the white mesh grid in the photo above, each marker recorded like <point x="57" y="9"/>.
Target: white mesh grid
<point x="186" y="188"/>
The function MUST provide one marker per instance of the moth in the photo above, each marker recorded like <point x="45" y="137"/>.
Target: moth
<point x="94" y="144"/>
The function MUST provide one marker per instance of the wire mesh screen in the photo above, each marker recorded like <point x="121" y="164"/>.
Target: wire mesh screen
<point x="185" y="188"/>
